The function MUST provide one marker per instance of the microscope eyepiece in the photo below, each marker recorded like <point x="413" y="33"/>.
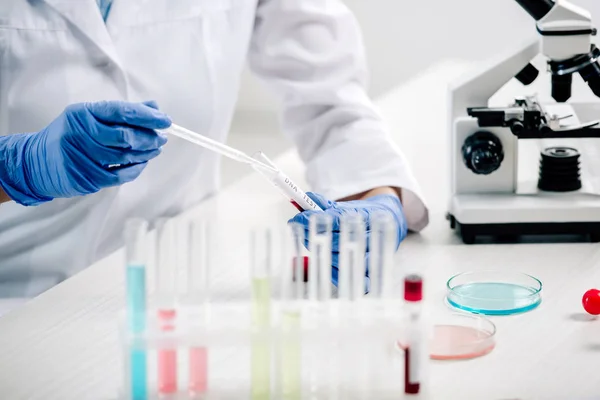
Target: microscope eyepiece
<point x="536" y="8"/>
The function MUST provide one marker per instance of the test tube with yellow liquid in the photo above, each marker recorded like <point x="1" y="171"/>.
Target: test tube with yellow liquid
<point x="292" y="292"/>
<point x="261" y="247"/>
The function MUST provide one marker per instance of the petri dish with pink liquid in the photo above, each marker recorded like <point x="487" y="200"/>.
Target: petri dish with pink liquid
<point x="461" y="336"/>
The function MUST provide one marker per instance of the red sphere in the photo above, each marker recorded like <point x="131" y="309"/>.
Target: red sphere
<point x="591" y="301"/>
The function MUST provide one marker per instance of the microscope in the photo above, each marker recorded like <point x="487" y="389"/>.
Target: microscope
<point x="563" y="198"/>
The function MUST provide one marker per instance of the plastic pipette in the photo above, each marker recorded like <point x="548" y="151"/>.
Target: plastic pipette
<point x="211" y="144"/>
<point x="260" y="162"/>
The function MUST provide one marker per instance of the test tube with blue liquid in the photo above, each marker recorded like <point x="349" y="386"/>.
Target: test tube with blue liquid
<point x="136" y="250"/>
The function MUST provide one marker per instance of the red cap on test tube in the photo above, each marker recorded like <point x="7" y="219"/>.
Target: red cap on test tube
<point x="413" y="288"/>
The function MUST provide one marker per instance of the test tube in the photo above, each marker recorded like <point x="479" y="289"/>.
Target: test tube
<point x="135" y="249"/>
<point x="165" y="299"/>
<point x="351" y="278"/>
<point x="382" y="247"/>
<point x="292" y="288"/>
<point x="319" y="267"/>
<point x="352" y="252"/>
<point x="198" y="247"/>
<point x="261" y="313"/>
<point x="291" y="319"/>
<point x="284" y="183"/>
<point x="320" y="234"/>
<point x="415" y="351"/>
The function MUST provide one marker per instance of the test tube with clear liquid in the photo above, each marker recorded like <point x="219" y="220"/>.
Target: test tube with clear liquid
<point x="352" y="272"/>
<point x="322" y="379"/>
<point x="382" y="247"/>
<point x="352" y="252"/>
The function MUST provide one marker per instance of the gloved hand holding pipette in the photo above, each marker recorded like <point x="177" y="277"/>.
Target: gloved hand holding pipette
<point x="90" y="146"/>
<point x="365" y="208"/>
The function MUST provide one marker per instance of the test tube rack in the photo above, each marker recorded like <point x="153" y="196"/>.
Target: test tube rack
<point x="304" y="343"/>
<point x="304" y="349"/>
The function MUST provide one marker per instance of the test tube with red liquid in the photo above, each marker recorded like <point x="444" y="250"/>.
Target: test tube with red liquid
<point x="165" y="299"/>
<point x="413" y="352"/>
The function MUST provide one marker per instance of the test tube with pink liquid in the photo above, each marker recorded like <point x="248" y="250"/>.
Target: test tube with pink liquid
<point x="165" y="293"/>
<point x="198" y="264"/>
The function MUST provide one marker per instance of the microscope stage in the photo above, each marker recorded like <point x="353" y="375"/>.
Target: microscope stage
<point x="543" y="213"/>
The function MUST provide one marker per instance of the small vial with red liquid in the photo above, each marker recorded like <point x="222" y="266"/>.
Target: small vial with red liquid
<point x="413" y="352"/>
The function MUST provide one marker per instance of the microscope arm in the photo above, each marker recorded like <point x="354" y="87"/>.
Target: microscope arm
<point x="566" y="30"/>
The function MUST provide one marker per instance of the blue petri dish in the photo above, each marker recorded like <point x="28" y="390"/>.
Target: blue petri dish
<point x="494" y="292"/>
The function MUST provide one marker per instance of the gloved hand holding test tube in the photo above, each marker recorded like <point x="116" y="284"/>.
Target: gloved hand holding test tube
<point x="259" y="162"/>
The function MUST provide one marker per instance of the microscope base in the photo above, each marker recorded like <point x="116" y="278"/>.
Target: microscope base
<point x="509" y="216"/>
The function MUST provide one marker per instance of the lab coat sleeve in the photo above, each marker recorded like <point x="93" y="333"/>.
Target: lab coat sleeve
<point x="311" y="54"/>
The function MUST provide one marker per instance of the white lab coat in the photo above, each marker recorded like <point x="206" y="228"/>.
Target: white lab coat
<point x="187" y="55"/>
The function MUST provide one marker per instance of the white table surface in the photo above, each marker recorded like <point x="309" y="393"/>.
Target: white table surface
<point x="64" y="344"/>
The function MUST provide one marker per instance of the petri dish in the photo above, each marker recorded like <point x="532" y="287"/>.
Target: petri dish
<point x="459" y="336"/>
<point x="462" y="336"/>
<point x="494" y="292"/>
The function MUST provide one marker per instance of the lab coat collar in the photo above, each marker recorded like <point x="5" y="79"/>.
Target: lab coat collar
<point x="85" y="17"/>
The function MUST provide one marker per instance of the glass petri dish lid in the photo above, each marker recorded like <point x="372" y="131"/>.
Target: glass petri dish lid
<point x="494" y="292"/>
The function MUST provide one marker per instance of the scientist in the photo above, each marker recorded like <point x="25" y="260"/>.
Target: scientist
<point x="76" y="122"/>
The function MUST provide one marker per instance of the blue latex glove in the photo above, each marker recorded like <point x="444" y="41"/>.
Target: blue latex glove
<point x="366" y="209"/>
<point x="77" y="153"/>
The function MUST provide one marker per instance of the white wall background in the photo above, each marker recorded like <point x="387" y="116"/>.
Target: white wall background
<point x="403" y="37"/>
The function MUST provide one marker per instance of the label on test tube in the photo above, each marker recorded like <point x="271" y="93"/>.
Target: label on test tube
<point x="286" y="186"/>
<point x="298" y="197"/>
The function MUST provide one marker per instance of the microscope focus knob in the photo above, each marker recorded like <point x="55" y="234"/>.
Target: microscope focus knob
<point x="482" y="153"/>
